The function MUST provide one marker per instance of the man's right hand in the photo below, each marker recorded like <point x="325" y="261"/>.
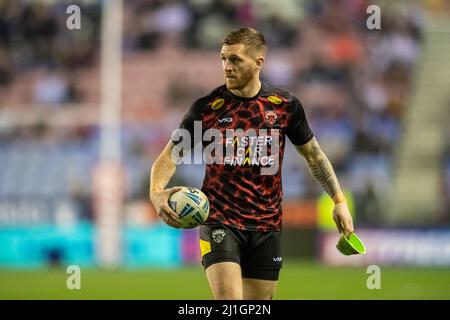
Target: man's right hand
<point x="160" y="200"/>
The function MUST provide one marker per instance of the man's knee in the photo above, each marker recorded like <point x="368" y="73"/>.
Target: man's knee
<point x="225" y="281"/>
<point x="258" y="295"/>
<point x="254" y="289"/>
<point x="227" y="293"/>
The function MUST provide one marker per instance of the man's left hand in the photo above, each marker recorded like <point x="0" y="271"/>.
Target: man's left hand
<point x="343" y="218"/>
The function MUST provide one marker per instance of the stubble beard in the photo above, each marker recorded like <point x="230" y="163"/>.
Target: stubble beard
<point x="240" y="82"/>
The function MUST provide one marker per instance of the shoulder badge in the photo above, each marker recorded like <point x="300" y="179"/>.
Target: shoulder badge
<point x="275" y="100"/>
<point x="217" y="104"/>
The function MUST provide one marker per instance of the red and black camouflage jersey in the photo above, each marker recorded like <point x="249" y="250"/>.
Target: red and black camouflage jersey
<point x="239" y="195"/>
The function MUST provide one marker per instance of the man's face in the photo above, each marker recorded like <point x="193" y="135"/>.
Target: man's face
<point x="239" y="66"/>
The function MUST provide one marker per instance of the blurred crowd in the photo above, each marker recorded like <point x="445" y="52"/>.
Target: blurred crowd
<point x="33" y="36"/>
<point x="353" y="82"/>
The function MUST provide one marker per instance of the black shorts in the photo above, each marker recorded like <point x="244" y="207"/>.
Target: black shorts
<point x="258" y="253"/>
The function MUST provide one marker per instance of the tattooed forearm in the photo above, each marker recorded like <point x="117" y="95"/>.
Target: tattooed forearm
<point x="320" y="167"/>
<point x="324" y="173"/>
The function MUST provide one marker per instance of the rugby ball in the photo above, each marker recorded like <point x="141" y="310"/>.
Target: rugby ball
<point x="191" y="205"/>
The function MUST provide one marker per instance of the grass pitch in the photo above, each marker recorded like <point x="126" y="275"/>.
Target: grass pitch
<point x="299" y="280"/>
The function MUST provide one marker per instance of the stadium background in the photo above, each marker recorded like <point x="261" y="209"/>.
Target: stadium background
<point x="77" y="143"/>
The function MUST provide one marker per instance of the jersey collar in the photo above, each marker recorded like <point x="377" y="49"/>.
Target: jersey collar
<point x="261" y="92"/>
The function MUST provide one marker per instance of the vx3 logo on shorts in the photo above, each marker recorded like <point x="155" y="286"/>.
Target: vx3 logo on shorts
<point x="277" y="259"/>
<point x="225" y="120"/>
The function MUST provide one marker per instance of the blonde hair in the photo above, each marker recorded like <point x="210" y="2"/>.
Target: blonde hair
<point x="250" y="37"/>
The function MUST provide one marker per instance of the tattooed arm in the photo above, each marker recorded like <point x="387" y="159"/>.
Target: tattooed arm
<point x="321" y="168"/>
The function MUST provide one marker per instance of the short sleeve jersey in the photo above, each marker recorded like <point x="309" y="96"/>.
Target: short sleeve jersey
<point x="253" y="132"/>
